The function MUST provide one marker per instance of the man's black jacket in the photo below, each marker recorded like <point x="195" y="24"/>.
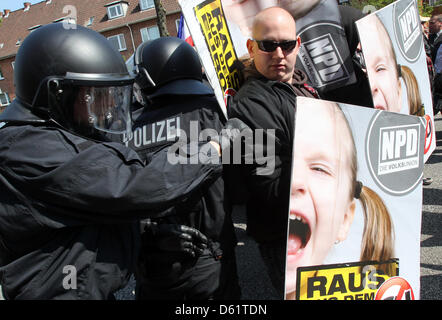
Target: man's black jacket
<point x="266" y="104"/>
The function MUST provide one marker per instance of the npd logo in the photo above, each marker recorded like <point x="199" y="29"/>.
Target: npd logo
<point x="394" y="150"/>
<point x="322" y="60"/>
<point x="407" y="29"/>
<point x="398" y="146"/>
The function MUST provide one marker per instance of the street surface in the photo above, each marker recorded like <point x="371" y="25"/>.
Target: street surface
<point x="431" y="230"/>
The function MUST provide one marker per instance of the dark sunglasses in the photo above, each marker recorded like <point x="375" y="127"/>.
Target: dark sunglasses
<point x="270" y="45"/>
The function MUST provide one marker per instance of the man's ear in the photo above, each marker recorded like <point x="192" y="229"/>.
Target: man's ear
<point x="298" y="39"/>
<point x="250" y="47"/>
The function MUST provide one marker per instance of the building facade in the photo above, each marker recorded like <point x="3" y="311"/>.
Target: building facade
<point x="125" y="23"/>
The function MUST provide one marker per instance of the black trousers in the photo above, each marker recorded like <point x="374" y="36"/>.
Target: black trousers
<point x="273" y="254"/>
<point x="202" y="278"/>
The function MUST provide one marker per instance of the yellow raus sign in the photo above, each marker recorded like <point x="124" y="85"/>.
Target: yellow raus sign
<point x="348" y="281"/>
<point x="219" y="43"/>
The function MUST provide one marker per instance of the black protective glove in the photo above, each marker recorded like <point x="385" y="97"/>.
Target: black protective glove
<point x="175" y="238"/>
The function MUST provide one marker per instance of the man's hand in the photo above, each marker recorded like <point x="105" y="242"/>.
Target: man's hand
<point x="233" y="130"/>
<point x="175" y="238"/>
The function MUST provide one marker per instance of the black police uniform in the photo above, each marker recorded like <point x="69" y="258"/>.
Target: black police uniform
<point x="166" y="275"/>
<point x="69" y="208"/>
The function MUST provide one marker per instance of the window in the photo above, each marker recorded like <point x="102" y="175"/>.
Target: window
<point x="177" y="24"/>
<point x="13" y="65"/>
<point x="34" y="28"/>
<point x="1" y="76"/>
<point x="90" y="21"/>
<point x="118" y="42"/>
<point x="150" y="33"/>
<point x="4" y="99"/>
<point x="115" y="11"/>
<point x="65" y="20"/>
<point x="435" y="2"/>
<point x="146" y="4"/>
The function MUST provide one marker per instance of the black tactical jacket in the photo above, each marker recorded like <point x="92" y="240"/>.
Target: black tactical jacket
<point x="69" y="208"/>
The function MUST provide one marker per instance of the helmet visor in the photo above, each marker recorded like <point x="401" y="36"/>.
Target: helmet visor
<point x="106" y="109"/>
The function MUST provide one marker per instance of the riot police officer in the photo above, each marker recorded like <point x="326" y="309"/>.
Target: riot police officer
<point x="69" y="199"/>
<point x="178" y="106"/>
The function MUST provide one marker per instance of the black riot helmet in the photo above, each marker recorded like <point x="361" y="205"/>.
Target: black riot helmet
<point x="73" y="76"/>
<point x="169" y="66"/>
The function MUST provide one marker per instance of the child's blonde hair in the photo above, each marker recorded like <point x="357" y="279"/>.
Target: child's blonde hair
<point x="378" y="234"/>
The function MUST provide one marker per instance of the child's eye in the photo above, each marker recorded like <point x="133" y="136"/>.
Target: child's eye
<point x="380" y="68"/>
<point x="321" y="169"/>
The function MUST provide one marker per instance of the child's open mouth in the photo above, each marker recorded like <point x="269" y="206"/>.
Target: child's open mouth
<point x="299" y="234"/>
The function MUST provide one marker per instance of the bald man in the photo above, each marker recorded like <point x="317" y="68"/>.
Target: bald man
<point x="271" y="27"/>
<point x="267" y="100"/>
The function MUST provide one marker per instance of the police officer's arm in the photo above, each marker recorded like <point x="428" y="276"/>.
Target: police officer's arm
<point x="102" y="182"/>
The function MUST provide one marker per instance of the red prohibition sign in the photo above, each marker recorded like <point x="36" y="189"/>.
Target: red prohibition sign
<point x="428" y="133"/>
<point x="230" y="92"/>
<point x="394" y="289"/>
